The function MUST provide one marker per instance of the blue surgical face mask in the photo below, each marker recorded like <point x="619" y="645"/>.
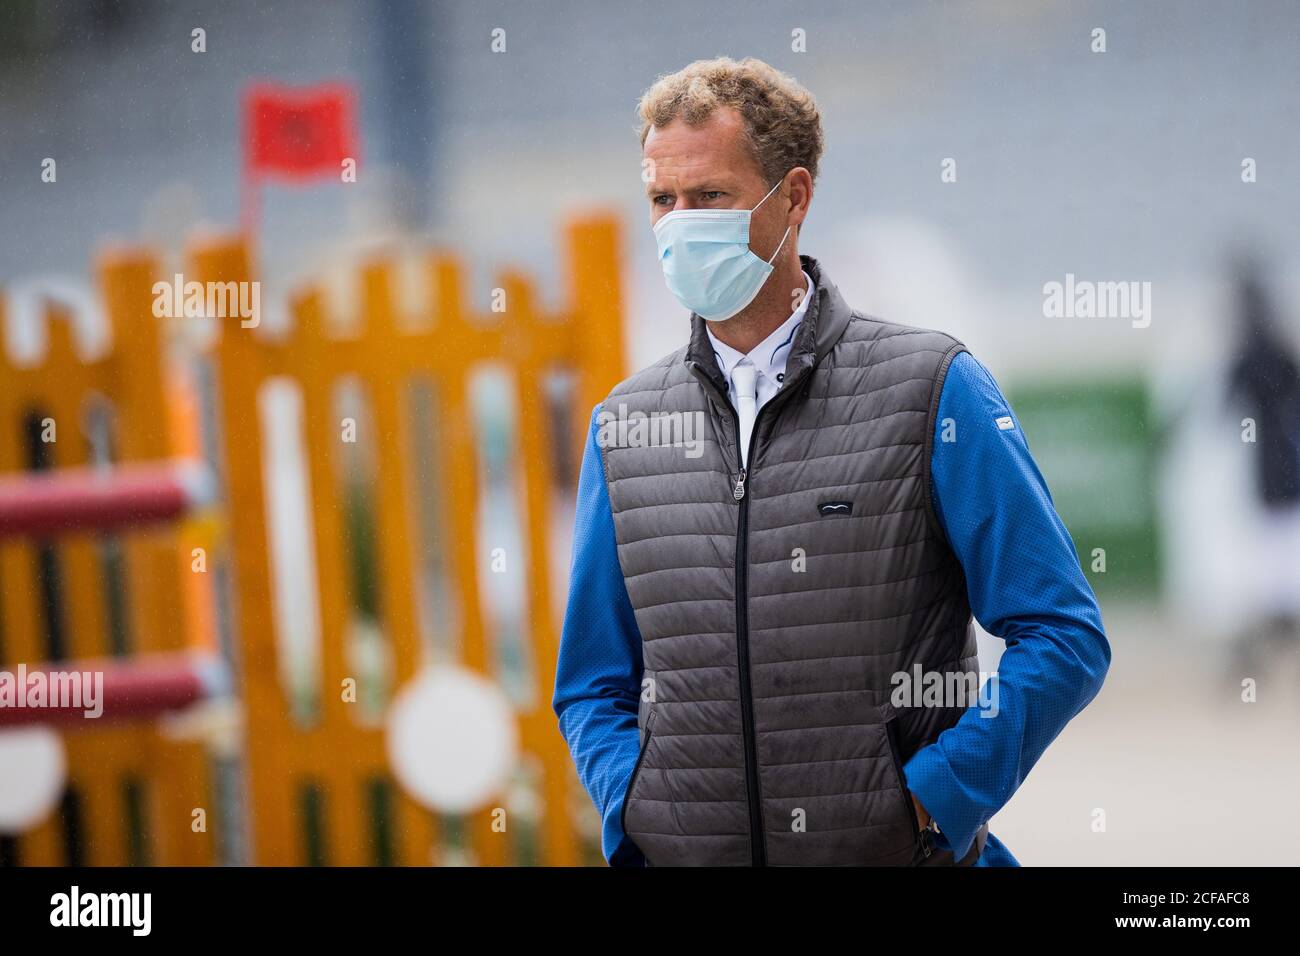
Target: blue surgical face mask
<point x="707" y="261"/>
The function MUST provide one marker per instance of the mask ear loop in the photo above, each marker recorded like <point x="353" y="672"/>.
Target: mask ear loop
<point x="767" y="197"/>
<point x="787" y="228"/>
<point x="779" y="245"/>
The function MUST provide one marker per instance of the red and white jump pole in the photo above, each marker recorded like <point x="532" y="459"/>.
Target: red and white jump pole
<point x="87" y="693"/>
<point x="101" y="499"/>
<point x="42" y="504"/>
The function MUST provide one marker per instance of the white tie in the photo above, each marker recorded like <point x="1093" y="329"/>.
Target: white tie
<point x="744" y="377"/>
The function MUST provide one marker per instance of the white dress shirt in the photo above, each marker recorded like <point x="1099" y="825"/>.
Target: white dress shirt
<point x="765" y="362"/>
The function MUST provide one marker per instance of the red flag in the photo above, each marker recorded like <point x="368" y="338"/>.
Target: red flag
<point x="298" y="132"/>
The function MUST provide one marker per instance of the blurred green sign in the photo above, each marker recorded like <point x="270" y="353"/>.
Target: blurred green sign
<point x="1094" y="442"/>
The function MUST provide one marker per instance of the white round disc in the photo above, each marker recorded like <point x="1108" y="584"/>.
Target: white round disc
<point x="452" y="739"/>
<point x="33" y="772"/>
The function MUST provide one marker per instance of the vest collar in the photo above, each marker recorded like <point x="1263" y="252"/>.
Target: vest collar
<point x="823" y="324"/>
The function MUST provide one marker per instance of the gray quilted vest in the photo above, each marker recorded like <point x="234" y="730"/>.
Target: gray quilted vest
<point x="775" y="605"/>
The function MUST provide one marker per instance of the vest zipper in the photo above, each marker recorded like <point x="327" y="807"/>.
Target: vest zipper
<point x="757" y="841"/>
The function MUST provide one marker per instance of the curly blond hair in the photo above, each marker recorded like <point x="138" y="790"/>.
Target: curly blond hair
<point x="782" y="121"/>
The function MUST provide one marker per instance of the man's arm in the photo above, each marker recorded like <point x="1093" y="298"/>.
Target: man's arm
<point x="1025" y="586"/>
<point x="598" y="675"/>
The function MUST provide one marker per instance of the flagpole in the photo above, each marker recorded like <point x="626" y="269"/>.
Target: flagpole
<point x="250" y="183"/>
<point x="250" y="202"/>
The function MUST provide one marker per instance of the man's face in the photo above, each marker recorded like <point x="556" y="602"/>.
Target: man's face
<point x="710" y="167"/>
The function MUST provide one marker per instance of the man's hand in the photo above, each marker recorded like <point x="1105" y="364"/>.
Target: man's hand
<point x="922" y="817"/>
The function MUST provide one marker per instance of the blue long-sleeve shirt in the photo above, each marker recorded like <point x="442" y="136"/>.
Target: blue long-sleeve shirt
<point x="1024" y="584"/>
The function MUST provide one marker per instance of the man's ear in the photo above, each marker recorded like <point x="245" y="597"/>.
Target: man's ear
<point x="801" y="193"/>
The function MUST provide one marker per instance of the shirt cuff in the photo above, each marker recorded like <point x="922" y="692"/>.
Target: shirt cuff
<point x="929" y="775"/>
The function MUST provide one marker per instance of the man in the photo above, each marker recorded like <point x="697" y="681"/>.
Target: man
<point x="746" y="604"/>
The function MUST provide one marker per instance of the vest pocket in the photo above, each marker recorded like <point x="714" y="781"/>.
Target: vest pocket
<point x="636" y="768"/>
<point x="891" y="734"/>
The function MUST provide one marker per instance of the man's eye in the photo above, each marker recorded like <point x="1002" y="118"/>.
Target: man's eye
<point x="711" y="195"/>
<point x="659" y="200"/>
